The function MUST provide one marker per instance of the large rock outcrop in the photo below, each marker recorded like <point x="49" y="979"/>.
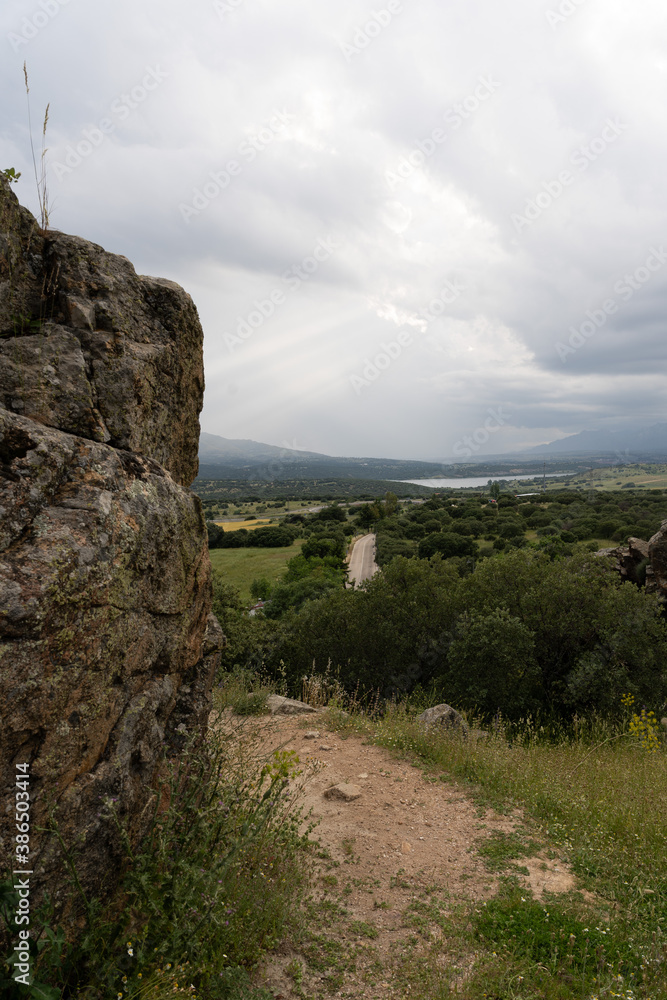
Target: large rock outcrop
<point x="643" y="563"/>
<point x="656" y="571"/>
<point x="629" y="560"/>
<point x="107" y="644"/>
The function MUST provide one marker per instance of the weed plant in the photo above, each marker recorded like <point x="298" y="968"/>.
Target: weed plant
<point x="243" y="690"/>
<point x="40" y="173"/>
<point x="217" y="880"/>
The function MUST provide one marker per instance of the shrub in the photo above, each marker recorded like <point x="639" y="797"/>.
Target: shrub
<point x="510" y="529"/>
<point x="234" y="539"/>
<point x="287" y="596"/>
<point x="491" y="664"/>
<point x="216" y="534"/>
<point x="249" y="639"/>
<point x="270" y="537"/>
<point x="217" y="880"/>
<point x="447" y="544"/>
<point x="389" y="547"/>
<point x="324" y="545"/>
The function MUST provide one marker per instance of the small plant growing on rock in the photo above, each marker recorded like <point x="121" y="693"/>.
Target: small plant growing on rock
<point x="40" y="174"/>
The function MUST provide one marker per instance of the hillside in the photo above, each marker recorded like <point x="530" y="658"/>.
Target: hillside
<point x="629" y="442"/>
<point x="223" y="458"/>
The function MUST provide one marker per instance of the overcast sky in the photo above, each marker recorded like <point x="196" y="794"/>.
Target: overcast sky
<point x="412" y="229"/>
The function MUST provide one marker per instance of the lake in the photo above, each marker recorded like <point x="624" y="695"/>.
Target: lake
<point x="475" y="481"/>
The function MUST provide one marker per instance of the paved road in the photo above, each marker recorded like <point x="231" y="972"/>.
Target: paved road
<point x="362" y="560"/>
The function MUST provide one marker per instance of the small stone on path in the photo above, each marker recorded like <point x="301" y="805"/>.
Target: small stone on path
<point x="406" y="848"/>
<point x="287" y="706"/>
<point x="312" y="734"/>
<point x="343" y="791"/>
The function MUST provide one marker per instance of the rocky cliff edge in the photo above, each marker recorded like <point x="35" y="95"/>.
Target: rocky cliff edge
<point x="107" y="644"/>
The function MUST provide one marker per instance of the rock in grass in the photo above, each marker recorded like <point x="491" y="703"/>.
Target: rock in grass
<point x="287" y="706"/>
<point x="443" y="715"/>
<point x="343" y="791"/>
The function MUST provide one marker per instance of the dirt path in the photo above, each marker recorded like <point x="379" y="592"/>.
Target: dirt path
<point x="404" y="834"/>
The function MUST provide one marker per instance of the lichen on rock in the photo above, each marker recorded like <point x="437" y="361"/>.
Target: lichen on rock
<point x="107" y="642"/>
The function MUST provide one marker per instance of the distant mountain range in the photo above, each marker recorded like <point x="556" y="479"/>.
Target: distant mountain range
<point x="213" y="448"/>
<point x="252" y="461"/>
<point x="225" y="458"/>
<point x="630" y="443"/>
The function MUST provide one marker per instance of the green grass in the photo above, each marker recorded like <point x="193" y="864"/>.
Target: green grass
<point x="645" y="476"/>
<point x="241" y="566"/>
<point x="500" y="850"/>
<point x="602" y="798"/>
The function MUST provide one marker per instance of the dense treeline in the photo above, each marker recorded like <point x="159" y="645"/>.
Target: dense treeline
<point x="459" y="527"/>
<point x="253" y="491"/>
<point x="523" y="633"/>
<point x="272" y="536"/>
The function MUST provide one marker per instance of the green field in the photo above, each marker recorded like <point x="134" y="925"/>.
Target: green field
<point x="617" y="477"/>
<point x="241" y="566"/>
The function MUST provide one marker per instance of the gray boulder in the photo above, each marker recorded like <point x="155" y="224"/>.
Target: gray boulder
<point x="656" y="571"/>
<point x="443" y="715"/>
<point x="628" y="558"/>
<point x="287" y="706"/>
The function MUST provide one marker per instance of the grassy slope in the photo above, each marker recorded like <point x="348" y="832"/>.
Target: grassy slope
<point x="614" y="477"/>
<point x="241" y="566"/>
<point x="603" y="800"/>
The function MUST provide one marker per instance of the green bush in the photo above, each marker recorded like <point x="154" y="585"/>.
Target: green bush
<point x="218" y="879"/>
<point x="491" y="664"/>
<point x="388" y="547"/>
<point x="249" y="638"/>
<point x="325" y="545"/>
<point x="270" y="537"/>
<point x="447" y="544"/>
<point x="215" y="534"/>
<point x="292" y="596"/>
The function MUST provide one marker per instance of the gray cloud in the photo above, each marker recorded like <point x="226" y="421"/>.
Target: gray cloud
<point x="418" y="170"/>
